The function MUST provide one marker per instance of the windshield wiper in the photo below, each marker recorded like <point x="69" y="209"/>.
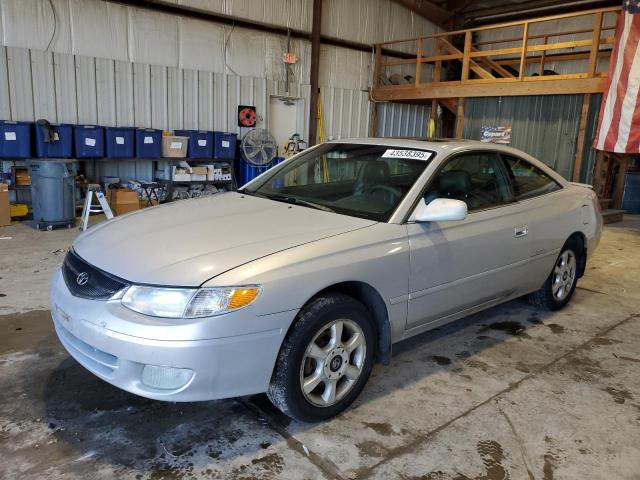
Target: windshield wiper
<point x="298" y="201"/>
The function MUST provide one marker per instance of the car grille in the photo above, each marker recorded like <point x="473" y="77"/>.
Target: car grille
<point x="86" y="281"/>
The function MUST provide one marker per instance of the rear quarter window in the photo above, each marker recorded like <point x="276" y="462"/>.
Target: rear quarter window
<point x="528" y="180"/>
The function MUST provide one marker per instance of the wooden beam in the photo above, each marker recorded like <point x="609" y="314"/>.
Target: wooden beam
<point x="314" y="71"/>
<point x="523" y="55"/>
<point x="465" y="58"/>
<point x="460" y="118"/>
<point x="584" y="117"/>
<point x="428" y="10"/>
<point x="500" y="87"/>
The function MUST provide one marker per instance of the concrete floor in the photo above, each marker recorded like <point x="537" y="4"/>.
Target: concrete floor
<point x="509" y="393"/>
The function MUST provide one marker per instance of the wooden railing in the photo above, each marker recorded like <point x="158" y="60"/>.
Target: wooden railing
<point x="484" y="69"/>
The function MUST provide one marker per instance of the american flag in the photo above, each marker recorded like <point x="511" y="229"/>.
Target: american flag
<point x="619" y="123"/>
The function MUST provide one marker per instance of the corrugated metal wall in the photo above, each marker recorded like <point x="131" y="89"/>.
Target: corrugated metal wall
<point x="543" y="126"/>
<point x="402" y="120"/>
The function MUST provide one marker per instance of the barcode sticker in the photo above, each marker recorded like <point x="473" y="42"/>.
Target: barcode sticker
<point x="120" y="140"/>
<point x="225" y="144"/>
<point x="410" y="154"/>
<point x="90" y="142"/>
<point x="202" y="143"/>
<point x="148" y="140"/>
<point x="9" y="136"/>
<point x="176" y="145"/>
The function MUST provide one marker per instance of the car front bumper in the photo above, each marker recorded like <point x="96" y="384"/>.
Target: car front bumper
<point x="222" y="365"/>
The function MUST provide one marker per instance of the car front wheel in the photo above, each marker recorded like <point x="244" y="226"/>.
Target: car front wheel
<point x="325" y="360"/>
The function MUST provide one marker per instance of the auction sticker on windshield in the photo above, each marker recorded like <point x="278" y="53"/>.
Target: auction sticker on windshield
<point x="412" y="154"/>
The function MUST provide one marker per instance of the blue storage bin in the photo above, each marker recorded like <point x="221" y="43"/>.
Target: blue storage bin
<point x="119" y="142"/>
<point x="148" y="143"/>
<point x="89" y="141"/>
<point x="224" y="145"/>
<point x="15" y="139"/>
<point x="245" y="172"/>
<point x="62" y="147"/>
<point x="200" y="143"/>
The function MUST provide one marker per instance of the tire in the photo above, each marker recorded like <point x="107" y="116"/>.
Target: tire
<point x="312" y="356"/>
<point x="561" y="283"/>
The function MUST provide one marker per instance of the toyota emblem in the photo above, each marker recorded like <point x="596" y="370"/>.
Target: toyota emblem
<point x="82" y="278"/>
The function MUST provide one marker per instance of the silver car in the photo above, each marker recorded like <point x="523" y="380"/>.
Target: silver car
<point x="297" y="283"/>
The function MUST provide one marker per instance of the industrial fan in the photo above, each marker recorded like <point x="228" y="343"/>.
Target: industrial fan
<point x="258" y="147"/>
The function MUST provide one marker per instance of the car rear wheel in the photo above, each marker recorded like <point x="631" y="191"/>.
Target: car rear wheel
<point x="325" y="360"/>
<point x="561" y="283"/>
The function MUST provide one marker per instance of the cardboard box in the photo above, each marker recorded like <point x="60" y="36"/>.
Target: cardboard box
<point x="199" y="170"/>
<point x="5" y="207"/>
<point x="123" y="200"/>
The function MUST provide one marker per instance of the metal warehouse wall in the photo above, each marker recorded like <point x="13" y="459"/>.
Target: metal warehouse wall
<point x="543" y="126"/>
<point x="402" y="120"/>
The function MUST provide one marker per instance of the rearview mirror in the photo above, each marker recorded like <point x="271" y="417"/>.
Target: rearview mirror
<point x="440" y="210"/>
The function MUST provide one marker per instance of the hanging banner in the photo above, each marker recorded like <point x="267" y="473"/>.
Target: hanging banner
<point x="496" y="135"/>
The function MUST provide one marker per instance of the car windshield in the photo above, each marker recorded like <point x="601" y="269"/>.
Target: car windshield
<point x="366" y="181"/>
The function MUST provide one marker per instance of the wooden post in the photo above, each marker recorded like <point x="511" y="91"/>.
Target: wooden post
<point x="314" y="71"/>
<point x="523" y="55"/>
<point x="542" y="57"/>
<point x="437" y="69"/>
<point x="623" y="162"/>
<point x="595" y="44"/>
<point x="465" y="56"/>
<point x="373" y="120"/>
<point x="434" y="116"/>
<point x="419" y="61"/>
<point x="376" y="65"/>
<point x="597" y="173"/>
<point x="460" y="118"/>
<point x="584" y="116"/>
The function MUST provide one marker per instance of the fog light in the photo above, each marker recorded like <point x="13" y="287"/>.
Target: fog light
<point x="166" y="378"/>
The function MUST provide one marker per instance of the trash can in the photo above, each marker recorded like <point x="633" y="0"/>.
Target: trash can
<point x="53" y="192"/>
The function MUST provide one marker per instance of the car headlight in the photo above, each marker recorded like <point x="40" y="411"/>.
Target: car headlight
<point x="188" y="302"/>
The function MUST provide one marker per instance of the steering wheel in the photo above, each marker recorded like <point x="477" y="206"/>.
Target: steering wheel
<point x="392" y="195"/>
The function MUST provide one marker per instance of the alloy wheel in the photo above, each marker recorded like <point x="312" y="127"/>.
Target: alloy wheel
<point x="333" y="362"/>
<point x="564" y="275"/>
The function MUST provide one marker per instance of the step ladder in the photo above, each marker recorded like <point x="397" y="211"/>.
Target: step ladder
<point x="89" y="208"/>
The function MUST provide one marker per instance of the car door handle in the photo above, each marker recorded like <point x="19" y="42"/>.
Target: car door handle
<point x="521" y="231"/>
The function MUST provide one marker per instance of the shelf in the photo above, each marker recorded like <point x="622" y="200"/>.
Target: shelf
<point x="19" y="187"/>
<point x="210" y="182"/>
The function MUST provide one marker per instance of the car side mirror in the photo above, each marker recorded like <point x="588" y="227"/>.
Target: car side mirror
<point x="440" y="210"/>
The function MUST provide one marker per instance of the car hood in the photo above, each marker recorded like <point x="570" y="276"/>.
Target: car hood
<point x="189" y="242"/>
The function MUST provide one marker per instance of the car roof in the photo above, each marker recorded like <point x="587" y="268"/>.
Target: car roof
<point x="438" y="145"/>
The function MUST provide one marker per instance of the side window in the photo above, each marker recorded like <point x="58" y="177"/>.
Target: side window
<point x="475" y="178"/>
<point x="528" y="181"/>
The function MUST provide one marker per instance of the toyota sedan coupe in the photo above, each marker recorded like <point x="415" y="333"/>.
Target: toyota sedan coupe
<point x="298" y="282"/>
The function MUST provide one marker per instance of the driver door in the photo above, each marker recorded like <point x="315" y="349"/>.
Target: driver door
<point x="459" y="265"/>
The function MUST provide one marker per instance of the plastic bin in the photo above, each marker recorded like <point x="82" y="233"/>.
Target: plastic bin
<point x="120" y="142"/>
<point x="224" y="145"/>
<point x="60" y="147"/>
<point x="200" y="143"/>
<point x="245" y="172"/>
<point x="174" y="146"/>
<point x="53" y="192"/>
<point x="88" y="141"/>
<point x="148" y="143"/>
<point x="15" y="139"/>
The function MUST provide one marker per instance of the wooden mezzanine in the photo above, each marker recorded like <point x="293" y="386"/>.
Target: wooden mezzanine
<point x="469" y="63"/>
